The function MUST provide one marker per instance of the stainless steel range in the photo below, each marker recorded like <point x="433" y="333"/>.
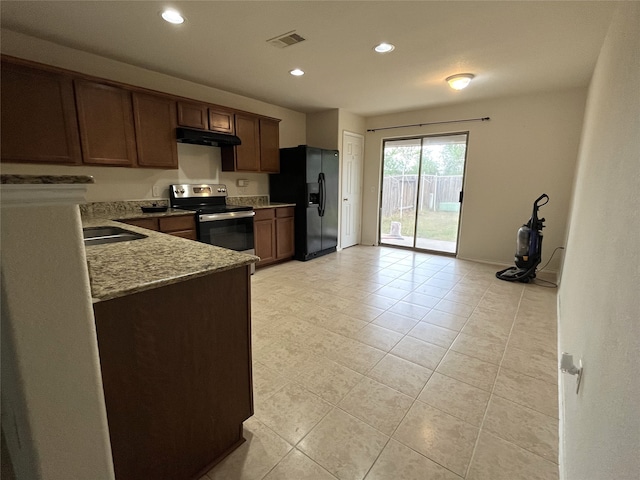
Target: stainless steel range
<point x="227" y="226"/>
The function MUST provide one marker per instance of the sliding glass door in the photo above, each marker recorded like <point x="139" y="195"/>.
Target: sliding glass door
<point x="421" y="192"/>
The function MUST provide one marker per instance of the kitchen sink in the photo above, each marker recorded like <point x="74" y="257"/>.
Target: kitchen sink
<point x="108" y="234"/>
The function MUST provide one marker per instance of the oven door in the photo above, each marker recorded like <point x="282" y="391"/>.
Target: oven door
<point x="232" y="230"/>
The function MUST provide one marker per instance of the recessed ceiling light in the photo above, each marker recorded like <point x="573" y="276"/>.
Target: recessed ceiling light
<point x="384" y="48"/>
<point x="459" y="80"/>
<point x="172" y="16"/>
<point x="296" y="72"/>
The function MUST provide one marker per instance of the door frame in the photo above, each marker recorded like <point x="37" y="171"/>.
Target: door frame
<point x="361" y="180"/>
<point x="467" y="133"/>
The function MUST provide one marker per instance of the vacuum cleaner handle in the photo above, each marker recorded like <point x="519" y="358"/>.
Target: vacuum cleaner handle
<point x="534" y="222"/>
<point x="541" y="197"/>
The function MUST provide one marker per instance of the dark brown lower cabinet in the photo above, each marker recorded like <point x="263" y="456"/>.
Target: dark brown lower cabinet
<point x="179" y="226"/>
<point x="176" y="369"/>
<point x="274" y="234"/>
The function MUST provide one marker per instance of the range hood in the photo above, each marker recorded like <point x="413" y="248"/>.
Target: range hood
<point x="205" y="137"/>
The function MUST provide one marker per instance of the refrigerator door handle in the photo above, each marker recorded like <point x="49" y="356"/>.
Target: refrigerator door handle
<point x="323" y="192"/>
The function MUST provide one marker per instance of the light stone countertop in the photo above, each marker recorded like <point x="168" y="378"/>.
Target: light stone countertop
<point x="18" y="179"/>
<point x="123" y="268"/>
<point x="273" y="205"/>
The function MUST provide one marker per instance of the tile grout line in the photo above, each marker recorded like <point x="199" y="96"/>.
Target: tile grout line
<point x="416" y="400"/>
<point x="390" y="437"/>
<point x="475" y="446"/>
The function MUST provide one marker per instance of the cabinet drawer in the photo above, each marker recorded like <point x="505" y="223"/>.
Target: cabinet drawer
<point x="188" y="234"/>
<point x="148" y="223"/>
<point x="174" y="224"/>
<point x="264" y="214"/>
<point x="285" y="212"/>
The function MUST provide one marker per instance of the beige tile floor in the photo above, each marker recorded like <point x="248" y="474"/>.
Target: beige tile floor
<point x="387" y="364"/>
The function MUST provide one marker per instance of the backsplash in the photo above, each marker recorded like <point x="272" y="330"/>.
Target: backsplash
<point x="117" y="209"/>
<point x="252" y="200"/>
<point x="126" y="208"/>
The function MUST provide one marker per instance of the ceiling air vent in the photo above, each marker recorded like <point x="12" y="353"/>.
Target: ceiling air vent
<point x="286" y="40"/>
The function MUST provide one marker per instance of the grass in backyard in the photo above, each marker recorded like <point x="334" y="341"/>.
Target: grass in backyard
<point x="431" y="225"/>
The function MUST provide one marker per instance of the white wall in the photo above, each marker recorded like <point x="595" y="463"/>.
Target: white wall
<point x="53" y="411"/>
<point x="529" y="147"/>
<point x="599" y="305"/>
<point x="197" y="163"/>
<point x="350" y="122"/>
<point x="325" y="129"/>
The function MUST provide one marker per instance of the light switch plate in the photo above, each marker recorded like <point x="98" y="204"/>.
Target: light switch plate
<point x="156" y="190"/>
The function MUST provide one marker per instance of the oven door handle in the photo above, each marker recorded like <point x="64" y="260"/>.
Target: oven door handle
<point x="225" y="216"/>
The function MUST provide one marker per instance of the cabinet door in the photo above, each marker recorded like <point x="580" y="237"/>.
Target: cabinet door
<point x="176" y="371"/>
<point x="193" y="115"/>
<point x="39" y="123"/>
<point x="285" y="246"/>
<point x="265" y="241"/>
<point x="105" y="117"/>
<point x="265" y="235"/>
<point x="245" y="157"/>
<point x="269" y="146"/>
<point x="155" y="119"/>
<point x="221" y="120"/>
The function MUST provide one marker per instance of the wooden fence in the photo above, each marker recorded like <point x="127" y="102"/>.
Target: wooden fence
<point x="436" y="193"/>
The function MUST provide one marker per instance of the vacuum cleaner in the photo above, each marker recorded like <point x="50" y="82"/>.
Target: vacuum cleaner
<point x="528" y="247"/>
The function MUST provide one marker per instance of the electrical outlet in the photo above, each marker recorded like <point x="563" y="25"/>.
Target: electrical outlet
<point x="157" y="191"/>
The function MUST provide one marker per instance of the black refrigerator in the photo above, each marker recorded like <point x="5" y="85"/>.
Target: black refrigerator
<point x="309" y="178"/>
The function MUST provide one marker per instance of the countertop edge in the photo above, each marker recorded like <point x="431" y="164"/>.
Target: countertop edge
<point x="126" y="268"/>
<point x="273" y="205"/>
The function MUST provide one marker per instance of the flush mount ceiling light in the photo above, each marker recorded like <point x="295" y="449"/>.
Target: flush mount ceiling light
<point x="384" y="48"/>
<point x="459" y="80"/>
<point x="172" y="16"/>
<point x="296" y="72"/>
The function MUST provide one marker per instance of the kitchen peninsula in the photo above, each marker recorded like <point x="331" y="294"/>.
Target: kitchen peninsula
<point x="173" y="325"/>
<point x="170" y="346"/>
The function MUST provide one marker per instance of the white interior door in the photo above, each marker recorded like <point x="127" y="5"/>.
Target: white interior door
<point x="352" y="153"/>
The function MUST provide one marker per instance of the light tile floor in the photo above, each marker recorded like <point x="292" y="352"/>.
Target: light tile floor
<point x="387" y="364"/>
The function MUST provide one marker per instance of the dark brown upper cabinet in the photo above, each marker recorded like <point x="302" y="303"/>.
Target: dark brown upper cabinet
<point x="105" y="117"/>
<point x="269" y="146"/>
<point x="193" y="115"/>
<point x="206" y="117"/>
<point x="39" y="123"/>
<point x="259" y="151"/>
<point x="51" y="115"/>
<point x="244" y="157"/>
<point x="221" y="120"/>
<point x="155" y="121"/>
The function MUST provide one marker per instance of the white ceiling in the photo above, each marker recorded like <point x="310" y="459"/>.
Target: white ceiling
<point x="511" y="47"/>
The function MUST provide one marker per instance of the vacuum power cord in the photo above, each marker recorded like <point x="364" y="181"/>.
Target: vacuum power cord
<point x="539" y="281"/>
